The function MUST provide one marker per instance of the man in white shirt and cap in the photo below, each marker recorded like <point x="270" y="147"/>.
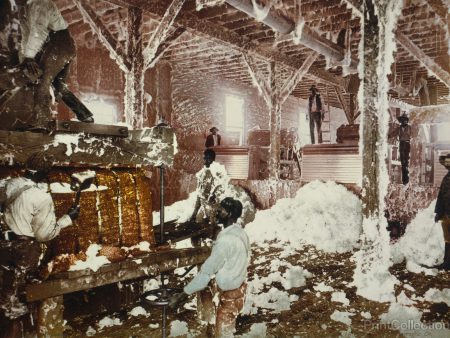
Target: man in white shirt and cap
<point x="29" y="216"/>
<point x="46" y="51"/>
<point x="229" y="260"/>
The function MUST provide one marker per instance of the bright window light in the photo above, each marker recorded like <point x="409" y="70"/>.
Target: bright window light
<point x="104" y="112"/>
<point x="234" y="115"/>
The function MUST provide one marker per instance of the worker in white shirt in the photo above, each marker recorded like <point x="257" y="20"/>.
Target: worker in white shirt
<point x="29" y="217"/>
<point x="46" y="51"/>
<point x="229" y="260"/>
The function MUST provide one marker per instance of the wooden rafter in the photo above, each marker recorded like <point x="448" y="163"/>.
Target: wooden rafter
<point x="161" y="32"/>
<point x="431" y="65"/>
<point x="340" y="97"/>
<point x="258" y="78"/>
<point x="166" y="44"/>
<point x="296" y="77"/>
<point x="97" y="26"/>
<point x="233" y="40"/>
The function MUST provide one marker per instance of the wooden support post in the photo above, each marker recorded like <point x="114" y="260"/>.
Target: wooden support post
<point x="351" y="109"/>
<point x="378" y="26"/>
<point x="275" y="126"/>
<point x="370" y="158"/>
<point x="164" y="91"/>
<point x="134" y="78"/>
<point x="50" y="321"/>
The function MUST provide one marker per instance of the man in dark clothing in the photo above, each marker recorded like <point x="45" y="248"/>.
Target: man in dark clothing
<point x="46" y="51"/>
<point x="442" y="211"/>
<point x="213" y="139"/>
<point x="404" y="138"/>
<point x="315" y="114"/>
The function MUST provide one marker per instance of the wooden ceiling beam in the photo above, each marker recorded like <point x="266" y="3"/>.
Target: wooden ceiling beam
<point x="161" y="32"/>
<point x="166" y="44"/>
<point x="232" y="40"/>
<point x="307" y="36"/>
<point x="296" y="77"/>
<point x="258" y="78"/>
<point x="103" y="34"/>
<point x="430" y="64"/>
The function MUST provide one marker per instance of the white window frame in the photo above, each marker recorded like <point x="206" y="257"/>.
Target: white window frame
<point x="230" y="126"/>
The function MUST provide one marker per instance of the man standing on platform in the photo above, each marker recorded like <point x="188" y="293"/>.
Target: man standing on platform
<point x="213" y="139"/>
<point x="46" y="52"/>
<point x="315" y="114"/>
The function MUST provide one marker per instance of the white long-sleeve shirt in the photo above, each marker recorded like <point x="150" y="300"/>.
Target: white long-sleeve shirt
<point x="32" y="212"/>
<point x="40" y="17"/>
<point x="229" y="261"/>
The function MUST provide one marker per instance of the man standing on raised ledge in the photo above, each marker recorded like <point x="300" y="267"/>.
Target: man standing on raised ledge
<point x="213" y="139"/>
<point x="46" y="51"/>
<point x="315" y="114"/>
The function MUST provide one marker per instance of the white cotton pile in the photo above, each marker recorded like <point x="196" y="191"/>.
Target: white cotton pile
<point x="256" y="330"/>
<point x="178" y="328"/>
<point x="325" y="215"/>
<point x="108" y="322"/>
<point x="343" y="317"/>
<point x="422" y="243"/>
<point x="92" y="262"/>
<point x="371" y="276"/>
<point x="438" y="296"/>
<point x="181" y="210"/>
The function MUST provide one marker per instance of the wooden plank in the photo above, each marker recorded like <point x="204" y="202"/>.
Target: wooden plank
<point x="151" y="146"/>
<point x="151" y="264"/>
<point x="89" y="128"/>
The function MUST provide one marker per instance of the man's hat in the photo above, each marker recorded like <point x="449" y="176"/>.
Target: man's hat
<point x="403" y="117"/>
<point x="445" y="160"/>
<point x="313" y="87"/>
<point x="213" y="128"/>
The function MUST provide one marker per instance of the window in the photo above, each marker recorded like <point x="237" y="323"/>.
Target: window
<point x="234" y="118"/>
<point x="104" y="111"/>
